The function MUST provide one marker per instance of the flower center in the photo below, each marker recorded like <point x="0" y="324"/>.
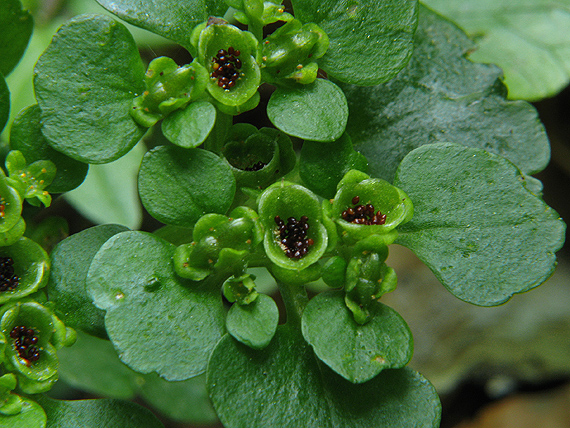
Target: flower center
<point x="225" y="67"/>
<point x="363" y="214"/>
<point x="293" y="236"/>
<point x="255" y="167"/>
<point x="8" y="281"/>
<point x="2" y="207"/>
<point x="25" y="340"/>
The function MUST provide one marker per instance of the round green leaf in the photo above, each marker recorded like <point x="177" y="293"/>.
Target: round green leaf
<point x="71" y="259"/>
<point x="4" y="102"/>
<point x="317" y="111"/>
<point x="16" y="27"/>
<point x="156" y="320"/>
<point x="85" y="82"/>
<point x="356" y="352"/>
<point x="440" y="97"/>
<point x="26" y="136"/>
<point x="185" y="401"/>
<point x="322" y="165"/>
<point x="370" y="41"/>
<point x="32" y="415"/>
<point x="244" y="386"/>
<point x="169" y="18"/>
<point x="97" y="414"/>
<point x="189" y="128"/>
<point x="254" y="324"/>
<point x="178" y="186"/>
<point x="528" y="40"/>
<point x="92" y="365"/>
<point x="475" y="225"/>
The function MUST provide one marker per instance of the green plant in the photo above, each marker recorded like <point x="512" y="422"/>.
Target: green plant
<point x="382" y="133"/>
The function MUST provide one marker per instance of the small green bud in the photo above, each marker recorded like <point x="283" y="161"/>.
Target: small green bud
<point x="240" y="289"/>
<point x="30" y="180"/>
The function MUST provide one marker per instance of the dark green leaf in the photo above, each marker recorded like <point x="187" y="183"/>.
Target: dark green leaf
<point x="356" y="352"/>
<point x="254" y="324"/>
<point x="26" y="136"/>
<point x="370" y="41"/>
<point x="323" y="165"/>
<point x="185" y="401"/>
<point x="4" y="102"/>
<point x="189" y="128"/>
<point x="97" y="414"/>
<point x="285" y="386"/>
<point x="169" y="18"/>
<point x="178" y="186"/>
<point x="316" y="112"/>
<point x="85" y="83"/>
<point x="528" y="40"/>
<point x="475" y="225"/>
<point x="70" y="260"/>
<point x="151" y="313"/>
<point x="92" y="365"/>
<point x="439" y="97"/>
<point x="32" y="415"/>
<point x="16" y="27"/>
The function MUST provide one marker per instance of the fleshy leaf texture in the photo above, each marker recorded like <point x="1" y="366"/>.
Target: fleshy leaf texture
<point x="16" y="27"/>
<point x="85" y="82"/>
<point x="441" y="97"/>
<point x="192" y="182"/>
<point x="475" y="225"/>
<point x="32" y="415"/>
<point x="356" y="352"/>
<point x="317" y="111"/>
<point x="4" y="102"/>
<point x="26" y="136"/>
<point x="189" y="128"/>
<point x="70" y="262"/>
<point x="370" y="41"/>
<point x="169" y="18"/>
<point x="284" y="385"/>
<point x="528" y="39"/>
<point x="254" y="324"/>
<point x="97" y="413"/>
<point x="151" y="312"/>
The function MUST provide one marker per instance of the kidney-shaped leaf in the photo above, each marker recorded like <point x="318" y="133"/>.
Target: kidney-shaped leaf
<point x="85" y="82"/>
<point x="475" y="225"/>
<point x="156" y="320"/>
<point x="356" y="352"/>
<point x="439" y="97"/>
<point x="370" y="41"/>
<point x="285" y="386"/>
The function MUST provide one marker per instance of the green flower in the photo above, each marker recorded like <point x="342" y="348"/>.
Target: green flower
<point x="259" y="12"/>
<point x="10" y="205"/>
<point x="230" y="58"/>
<point x="30" y="180"/>
<point x="365" y="206"/>
<point x="290" y="53"/>
<point x="168" y="88"/>
<point x="240" y="289"/>
<point x="295" y="236"/>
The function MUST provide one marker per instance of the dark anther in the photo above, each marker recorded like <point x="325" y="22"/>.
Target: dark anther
<point x="224" y="66"/>
<point x="8" y="280"/>
<point x="293" y="236"/>
<point x="362" y="214"/>
<point x="25" y="340"/>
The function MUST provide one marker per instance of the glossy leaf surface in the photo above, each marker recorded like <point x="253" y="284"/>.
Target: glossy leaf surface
<point x="32" y="415"/>
<point x="253" y="324"/>
<point x="151" y="312"/>
<point x="189" y="128"/>
<point x="441" y="97"/>
<point x="4" y="102"/>
<point x="71" y="259"/>
<point x="317" y="111"/>
<point x="178" y="186"/>
<point x="370" y="41"/>
<point x="88" y="76"/>
<point x="475" y="225"/>
<point x="528" y="39"/>
<point x="284" y="385"/>
<point x="16" y="27"/>
<point x="356" y="352"/>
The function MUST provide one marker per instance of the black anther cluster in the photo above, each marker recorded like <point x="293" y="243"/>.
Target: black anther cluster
<point x="255" y="167"/>
<point x="293" y="236"/>
<point x="226" y="65"/>
<point x="25" y="340"/>
<point x="363" y="214"/>
<point x="8" y="281"/>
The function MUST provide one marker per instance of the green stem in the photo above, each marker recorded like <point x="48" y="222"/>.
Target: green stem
<point x="295" y="299"/>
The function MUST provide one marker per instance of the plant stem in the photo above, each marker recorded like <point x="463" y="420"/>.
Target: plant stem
<point x="295" y="299"/>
